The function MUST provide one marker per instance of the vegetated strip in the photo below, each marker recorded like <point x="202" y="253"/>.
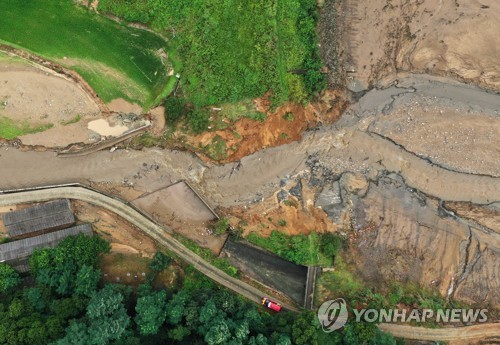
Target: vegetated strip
<point x="233" y="50"/>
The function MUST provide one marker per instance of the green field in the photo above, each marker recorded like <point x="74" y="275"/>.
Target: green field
<point x="234" y="50"/>
<point x="116" y="60"/>
<point x="9" y="129"/>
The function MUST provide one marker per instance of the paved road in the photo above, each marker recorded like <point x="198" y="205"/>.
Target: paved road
<point x="312" y="274"/>
<point x="149" y="227"/>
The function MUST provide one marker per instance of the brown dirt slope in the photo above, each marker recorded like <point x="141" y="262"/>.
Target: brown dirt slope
<point x="452" y="38"/>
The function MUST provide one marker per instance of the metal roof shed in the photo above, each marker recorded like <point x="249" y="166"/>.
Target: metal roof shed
<point x="13" y="252"/>
<point x="44" y="217"/>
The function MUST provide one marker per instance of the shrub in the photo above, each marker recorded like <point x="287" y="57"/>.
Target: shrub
<point x="198" y="120"/>
<point x="175" y="108"/>
<point x="331" y="244"/>
<point x="221" y="226"/>
<point x="159" y="262"/>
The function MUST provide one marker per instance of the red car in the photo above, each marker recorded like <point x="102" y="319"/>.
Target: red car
<point x="271" y="304"/>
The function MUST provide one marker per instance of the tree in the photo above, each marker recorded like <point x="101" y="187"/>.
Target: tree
<point x="241" y="330"/>
<point x="358" y="333"/>
<point x="160" y="262"/>
<point x="304" y="329"/>
<point x="179" y="333"/>
<point x="35" y="298"/>
<point x="218" y="333"/>
<point x="76" y="334"/>
<point x="176" y="306"/>
<point x="151" y="312"/>
<point x="68" y="308"/>
<point x="175" y="108"/>
<point x="107" y="316"/>
<point x="58" y="267"/>
<point x="86" y="281"/>
<point x="330" y="244"/>
<point x="260" y="339"/>
<point x="199" y="119"/>
<point x="9" y="278"/>
<point x="208" y="312"/>
<point x="283" y="340"/>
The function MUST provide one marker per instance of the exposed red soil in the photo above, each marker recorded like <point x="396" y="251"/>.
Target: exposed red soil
<point x="246" y="136"/>
<point x="291" y="219"/>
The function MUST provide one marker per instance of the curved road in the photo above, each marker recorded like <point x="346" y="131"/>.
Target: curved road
<point x="164" y="238"/>
<point x="353" y="144"/>
<point x="149" y="227"/>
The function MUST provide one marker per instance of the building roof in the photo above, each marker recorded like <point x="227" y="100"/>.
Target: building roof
<point x="46" y="216"/>
<point x="14" y="252"/>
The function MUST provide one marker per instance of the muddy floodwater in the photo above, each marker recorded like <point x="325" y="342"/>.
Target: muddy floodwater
<point x="102" y="127"/>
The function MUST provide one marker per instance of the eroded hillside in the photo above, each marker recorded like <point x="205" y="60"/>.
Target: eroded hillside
<point x="449" y="38"/>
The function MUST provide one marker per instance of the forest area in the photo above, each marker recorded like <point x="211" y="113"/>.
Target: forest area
<point x="63" y="301"/>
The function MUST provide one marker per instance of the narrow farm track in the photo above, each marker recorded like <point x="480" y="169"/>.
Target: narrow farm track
<point x="463" y="334"/>
<point x="158" y="233"/>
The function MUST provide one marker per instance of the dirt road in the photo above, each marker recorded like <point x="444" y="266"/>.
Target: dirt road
<point x="463" y="335"/>
<point x="162" y="236"/>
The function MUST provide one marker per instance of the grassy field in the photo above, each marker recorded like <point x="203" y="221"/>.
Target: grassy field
<point x="117" y="61"/>
<point x="235" y="50"/>
<point x="9" y="129"/>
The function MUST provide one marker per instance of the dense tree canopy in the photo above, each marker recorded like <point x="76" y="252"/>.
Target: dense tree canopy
<point x="58" y="267"/>
<point x="9" y="278"/>
<point x="78" y="309"/>
<point x="151" y="312"/>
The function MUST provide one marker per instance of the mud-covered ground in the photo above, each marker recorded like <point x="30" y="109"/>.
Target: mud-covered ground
<point x="375" y="39"/>
<point x="180" y="209"/>
<point x="411" y="171"/>
<point x="348" y="170"/>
